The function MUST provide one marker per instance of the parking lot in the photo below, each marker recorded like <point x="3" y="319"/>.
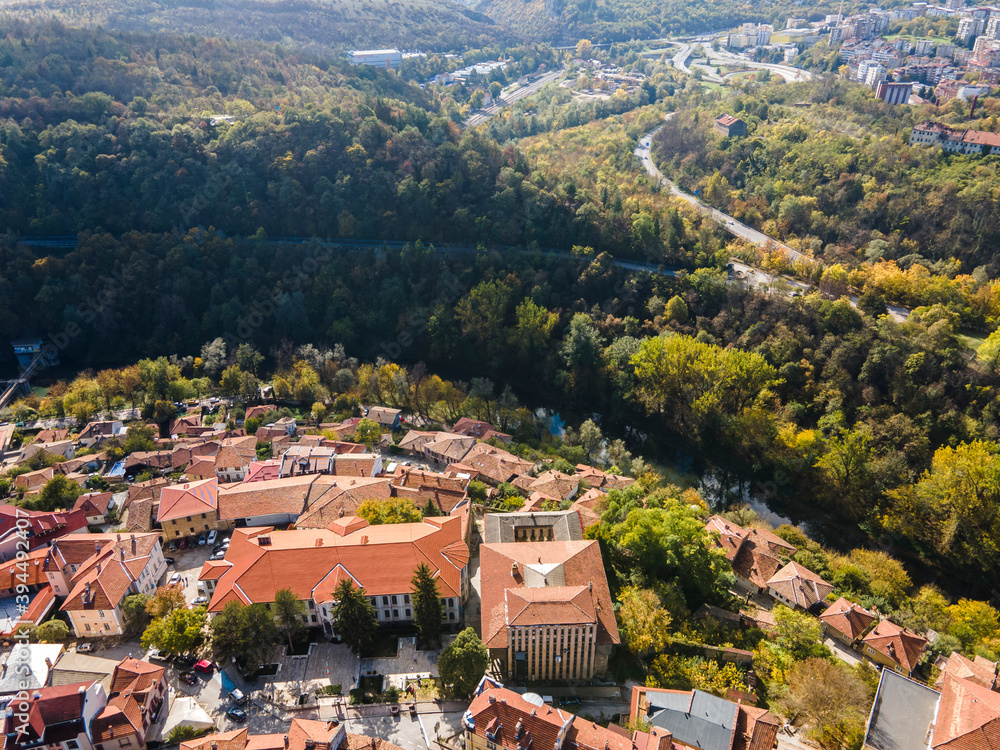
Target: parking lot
<point x="188" y="563"/>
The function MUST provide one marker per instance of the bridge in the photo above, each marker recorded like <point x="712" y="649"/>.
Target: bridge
<point x="31" y="356"/>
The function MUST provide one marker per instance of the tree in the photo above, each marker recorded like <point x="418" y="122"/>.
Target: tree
<point x="289" y="613"/>
<point x="830" y="699"/>
<point x="391" y="510"/>
<point x="644" y="622"/>
<point x="138" y="437"/>
<point x="135" y="614"/>
<point x="428" y="611"/>
<point x="367" y="432"/>
<point x="798" y="633"/>
<point x="248" y="358"/>
<point x="972" y="622"/>
<point x="244" y="632"/>
<point x="354" y="618"/>
<point x="584" y="49"/>
<point x="213" y="357"/>
<point x="463" y="663"/>
<point x="165" y="600"/>
<point x="590" y="437"/>
<point x="180" y="632"/>
<point x="53" y="631"/>
<point x="676" y="310"/>
<point x="318" y="412"/>
<point x="59" y="493"/>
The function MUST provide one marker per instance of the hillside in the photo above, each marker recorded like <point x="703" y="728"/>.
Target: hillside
<point x="408" y="24"/>
<point x="567" y="21"/>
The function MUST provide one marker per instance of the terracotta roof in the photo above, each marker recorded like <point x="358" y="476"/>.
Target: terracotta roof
<point x="545" y="566"/>
<point x="106" y="575"/>
<point x="495" y="463"/>
<point x="341" y="499"/>
<point x="800" y="585"/>
<point x="756" y="565"/>
<point x="556" y="483"/>
<point x="319" y="732"/>
<point x="236" y="453"/>
<point x="848" y="618"/>
<point x="550" y="605"/>
<point x="727" y="120"/>
<point x="154" y="459"/>
<point x="271" y="497"/>
<point x="188" y="499"/>
<point x="982" y="673"/>
<point x="502" y="712"/>
<point x="731" y="535"/>
<point x="756" y="729"/>
<point x="472" y="427"/>
<point x="450" y="447"/>
<point x="601" y="479"/>
<point x="899" y="644"/>
<point x="383" y="415"/>
<point x="27" y="572"/>
<point x="201" y="467"/>
<point x="380" y="558"/>
<point x="94" y="503"/>
<point x="50" y="436"/>
<point x="56" y="714"/>
<point x="968" y="717"/>
<point x="259" y="471"/>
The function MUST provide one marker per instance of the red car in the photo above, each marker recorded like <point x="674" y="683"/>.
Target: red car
<point x="204" y="666"/>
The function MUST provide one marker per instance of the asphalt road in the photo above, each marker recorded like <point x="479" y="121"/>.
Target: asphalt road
<point x="788" y="72"/>
<point x="511" y="95"/>
<point x="731" y="225"/>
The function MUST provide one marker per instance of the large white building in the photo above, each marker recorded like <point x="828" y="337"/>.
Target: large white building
<point x="377" y="58"/>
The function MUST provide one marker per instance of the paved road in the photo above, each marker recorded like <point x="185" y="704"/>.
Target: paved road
<point x="731" y="225"/>
<point x="511" y="95"/>
<point x="788" y="72"/>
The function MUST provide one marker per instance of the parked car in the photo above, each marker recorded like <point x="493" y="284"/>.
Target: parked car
<point x="225" y="542"/>
<point x="175" y="578"/>
<point x="169" y="560"/>
<point x="200" y="600"/>
<point x="204" y="665"/>
<point x="212" y="535"/>
<point x="239" y="697"/>
<point x="182" y="543"/>
<point x="83" y="648"/>
<point x="201" y="539"/>
<point x="218" y="554"/>
<point x="570" y="700"/>
<point x="172" y="546"/>
<point x="155" y="655"/>
<point x="237" y="714"/>
<point x="184" y="662"/>
<point x="189" y="677"/>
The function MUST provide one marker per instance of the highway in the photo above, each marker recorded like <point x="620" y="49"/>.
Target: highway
<point x="788" y="72"/>
<point x="510" y="95"/>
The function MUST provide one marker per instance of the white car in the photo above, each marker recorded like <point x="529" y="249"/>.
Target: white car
<point x="212" y="536"/>
<point x="175" y="578"/>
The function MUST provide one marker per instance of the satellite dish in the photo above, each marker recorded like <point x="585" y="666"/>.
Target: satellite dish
<point x="534" y="699"/>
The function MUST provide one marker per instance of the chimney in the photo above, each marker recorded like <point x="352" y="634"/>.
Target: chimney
<point x="121" y="552"/>
<point x="118" y="537"/>
<point x="364" y="539"/>
<point x="48" y="662"/>
<point x="665" y="739"/>
<point x="133" y="544"/>
<point x="286" y="740"/>
<point x="513" y="569"/>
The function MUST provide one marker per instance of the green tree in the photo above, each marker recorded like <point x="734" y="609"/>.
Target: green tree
<point x="391" y="510"/>
<point x="53" y="631"/>
<point x="463" y="663"/>
<point x="367" y="432"/>
<point x="180" y="632"/>
<point x="138" y="437"/>
<point x="354" y="618"/>
<point x="798" y="633"/>
<point x="135" y="614"/>
<point x="643" y="621"/>
<point x="676" y="310"/>
<point x="290" y="614"/>
<point x="428" y="611"/>
<point x="244" y="632"/>
<point x="590" y="437"/>
<point x="59" y="493"/>
<point x="972" y="622"/>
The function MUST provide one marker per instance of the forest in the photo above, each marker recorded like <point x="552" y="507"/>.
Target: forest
<point x="829" y="169"/>
<point x="835" y="411"/>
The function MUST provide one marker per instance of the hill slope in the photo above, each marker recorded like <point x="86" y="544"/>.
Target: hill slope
<point x="408" y="24"/>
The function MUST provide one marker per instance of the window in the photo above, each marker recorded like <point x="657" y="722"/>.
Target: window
<point x="107" y="626"/>
<point x="87" y="626"/>
<point x="394" y="599"/>
<point x="206" y="527"/>
<point x="101" y="614"/>
<point x="408" y="613"/>
<point x="204" y="516"/>
<point x="451" y="615"/>
<point x="125" y="742"/>
<point x="406" y="598"/>
<point x="386" y="614"/>
<point x="385" y="600"/>
<point x="72" y="744"/>
<point x="188" y="518"/>
<point x="312" y="618"/>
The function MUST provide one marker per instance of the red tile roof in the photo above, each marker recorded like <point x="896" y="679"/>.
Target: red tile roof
<point x="800" y="585"/>
<point x="898" y="644"/>
<point x="106" y="575"/>
<point x="495" y="463"/>
<point x="546" y="566"/>
<point x="981" y="671"/>
<point x="94" y="503"/>
<point x="848" y="618"/>
<point x="381" y="558"/>
<point x="968" y="717"/>
<point x="188" y="499"/>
